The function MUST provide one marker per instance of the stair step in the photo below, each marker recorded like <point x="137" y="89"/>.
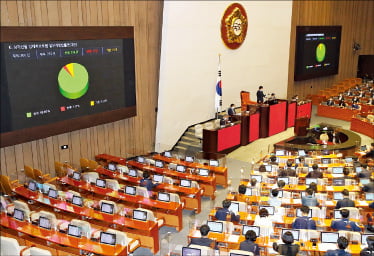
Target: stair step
<point x="189" y="138"/>
<point x="180" y="148"/>
<point x="191" y="134"/>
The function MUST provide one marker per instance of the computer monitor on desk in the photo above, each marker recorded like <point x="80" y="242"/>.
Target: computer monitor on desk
<point x="215" y="226"/>
<point x="257" y="177"/>
<point x="338" y="182"/>
<point x="32" y="186"/>
<point x="107" y="208"/>
<point x="139" y="215"/>
<point x="248" y="191"/>
<point x="234" y="207"/>
<point x="18" y="214"/>
<point x="326" y="160"/>
<point x="107" y="238"/>
<point x="76" y="175"/>
<point x="159" y="164"/>
<point x="213" y="162"/>
<point x="338" y="196"/>
<point x="52" y="193"/>
<point x="158" y="178"/>
<point x="100" y="183"/>
<point x="268" y="168"/>
<point x="204" y="172"/>
<point x="369" y="196"/>
<point x="181" y="168"/>
<point x="74" y="231"/>
<point x="295" y="233"/>
<point x="337" y="170"/>
<point x="112" y="167"/>
<point x="77" y="200"/>
<point x="255" y="229"/>
<point x="133" y="173"/>
<point x="164" y="197"/>
<point x="188" y="251"/>
<point x="140" y="159"/>
<point x="130" y="190"/>
<point x="329" y="237"/>
<point x="167" y="154"/>
<point x="189" y="159"/>
<point x="301" y="152"/>
<point x="185" y="183"/>
<point x="364" y="181"/>
<point x="279" y="152"/>
<point x="45" y="223"/>
<point x="309" y="181"/>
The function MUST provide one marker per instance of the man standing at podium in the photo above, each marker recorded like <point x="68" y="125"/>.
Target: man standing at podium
<point x="260" y="95"/>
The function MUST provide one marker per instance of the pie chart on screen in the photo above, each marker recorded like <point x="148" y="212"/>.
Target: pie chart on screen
<point x="320" y="52"/>
<point x="73" y="80"/>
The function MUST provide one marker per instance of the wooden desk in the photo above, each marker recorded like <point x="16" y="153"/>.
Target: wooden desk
<point x="336" y="112"/>
<point x="223" y="140"/>
<point x="362" y="126"/>
<point x="110" y="159"/>
<point x="56" y="237"/>
<point x="219" y="171"/>
<point x="190" y="196"/>
<point x="170" y="211"/>
<point x="207" y="183"/>
<point x="145" y="231"/>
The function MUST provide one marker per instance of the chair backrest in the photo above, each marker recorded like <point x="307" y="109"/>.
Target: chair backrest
<point x="350" y="235"/>
<point x="9" y="246"/>
<point x="316" y="211"/>
<point x="112" y="184"/>
<point x="84" y="225"/>
<point x="29" y="172"/>
<point x="195" y="184"/>
<point x="38" y="174"/>
<point x="142" y="191"/>
<point x="115" y="208"/>
<point x="307" y="234"/>
<point x="6" y="186"/>
<point x="242" y="206"/>
<point x="74" y="193"/>
<point x="150" y="214"/>
<point x="241" y="252"/>
<point x="84" y="163"/>
<point x="228" y="226"/>
<point x="92" y="164"/>
<point x="175" y="198"/>
<point x="59" y="169"/>
<point x="51" y="216"/>
<point x="205" y="250"/>
<point x="90" y="176"/>
<point x="168" y="180"/>
<point x="47" y="186"/>
<point x="122" y="168"/>
<point x="244" y="97"/>
<point x="172" y="166"/>
<point x="34" y="251"/>
<point x="23" y="207"/>
<point x="354" y="213"/>
<point x="121" y="237"/>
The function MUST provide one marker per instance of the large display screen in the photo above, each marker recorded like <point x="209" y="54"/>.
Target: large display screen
<point x="317" y="51"/>
<point x="52" y="83"/>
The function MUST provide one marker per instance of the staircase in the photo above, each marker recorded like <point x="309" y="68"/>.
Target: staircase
<point x="188" y="143"/>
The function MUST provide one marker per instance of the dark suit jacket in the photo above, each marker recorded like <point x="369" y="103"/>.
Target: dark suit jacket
<point x="304" y="222"/>
<point x="231" y="111"/>
<point x="345" y="202"/>
<point x="222" y="213"/>
<point x="337" y="252"/>
<point x="288" y="249"/>
<point x="203" y="241"/>
<point x="148" y="184"/>
<point x="315" y="174"/>
<point x="345" y="224"/>
<point x="260" y="96"/>
<point x="250" y="246"/>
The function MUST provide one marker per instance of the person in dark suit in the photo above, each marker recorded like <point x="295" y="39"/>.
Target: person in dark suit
<point x="204" y="240"/>
<point x="222" y="213"/>
<point x="249" y="244"/>
<point x="330" y="102"/>
<point x="342" y="244"/>
<point x="273" y="160"/>
<point x="260" y="95"/>
<point x="368" y="251"/>
<point x="288" y="172"/>
<point x="304" y="222"/>
<point x="231" y="110"/>
<point x="316" y="173"/>
<point x="345" y="223"/>
<point x="340" y="97"/>
<point x="147" y="182"/>
<point x="345" y="202"/>
<point x="288" y="248"/>
<point x="309" y="199"/>
<point x="365" y="173"/>
<point x="342" y="103"/>
<point x="370" y="152"/>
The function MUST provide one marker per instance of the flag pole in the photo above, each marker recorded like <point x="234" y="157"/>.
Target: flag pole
<point x="218" y="107"/>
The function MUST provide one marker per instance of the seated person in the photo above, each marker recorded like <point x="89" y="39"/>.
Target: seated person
<point x="231" y="110"/>
<point x="355" y="106"/>
<point x="365" y="173"/>
<point x="295" y="98"/>
<point x="272" y="99"/>
<point x="280" y="184"/>
<point x="346" y="173"/>
<point x="342" y="244"/>
<point x="273" y="160"/>
<point x="345" y="202"/>
<point x="370" y="152"/>
<point x="368" y="251"/>
<point x="340" y="97"/>
<point x="241" y="193"/>
<point x="288" y="248"/>
<point x="222" y="213"/>
<point x="262" y="168"/>
<point x="288" y="172"/>
<point x="313" y="186"/>
<point x="342" y="103"/>
<point x="273" y="199"/>
<point x="301" y="162"/>
<point x="204" y="240"/>
<point x="330" y="102"/>
<point x="304" y="222"/>
<point x="147" y="181"/>
<point x="264" y="220"/>
<point x="249" y="244"/>
<point x="345" y="223"/>
<point x="315" y="173"/>
<point x="355" y="99"/>
<point x="309" y="199"/>
<point x="369" y="187"/>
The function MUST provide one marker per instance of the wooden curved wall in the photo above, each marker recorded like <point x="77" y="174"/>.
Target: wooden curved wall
<point x="125" y="137"/>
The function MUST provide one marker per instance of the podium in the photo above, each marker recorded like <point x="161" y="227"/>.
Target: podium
<point x="301" y="125"/>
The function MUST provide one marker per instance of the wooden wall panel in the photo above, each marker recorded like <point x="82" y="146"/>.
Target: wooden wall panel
<point x="357" y="21"/>
<point x="127" y="137"/>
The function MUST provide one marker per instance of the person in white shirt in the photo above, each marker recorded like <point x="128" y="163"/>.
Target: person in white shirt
<point x="264" y="222"/>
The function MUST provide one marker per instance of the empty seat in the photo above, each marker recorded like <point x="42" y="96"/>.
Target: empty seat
<point x="35" y="251"/>
<point x="151" y="216"/>
<point x="112" y="184"/>
<point x="122" y="168"/>
<point x="142" y="191"/>
<point x="122" y="239"/>
<point x="84" y="225"/>
<point x="172" y="166"/>
<point x="90" y="177"/>
<point x="168" y="180"/>
<point x="23" y="207"/>
<point x="51" y="216"/>
<point x="205" y="250"/>
<point x="175" y="198"/>
<point x="9" y="246"/>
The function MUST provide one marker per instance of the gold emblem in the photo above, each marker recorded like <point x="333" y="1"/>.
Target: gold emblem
<point x="234" y="25"/>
